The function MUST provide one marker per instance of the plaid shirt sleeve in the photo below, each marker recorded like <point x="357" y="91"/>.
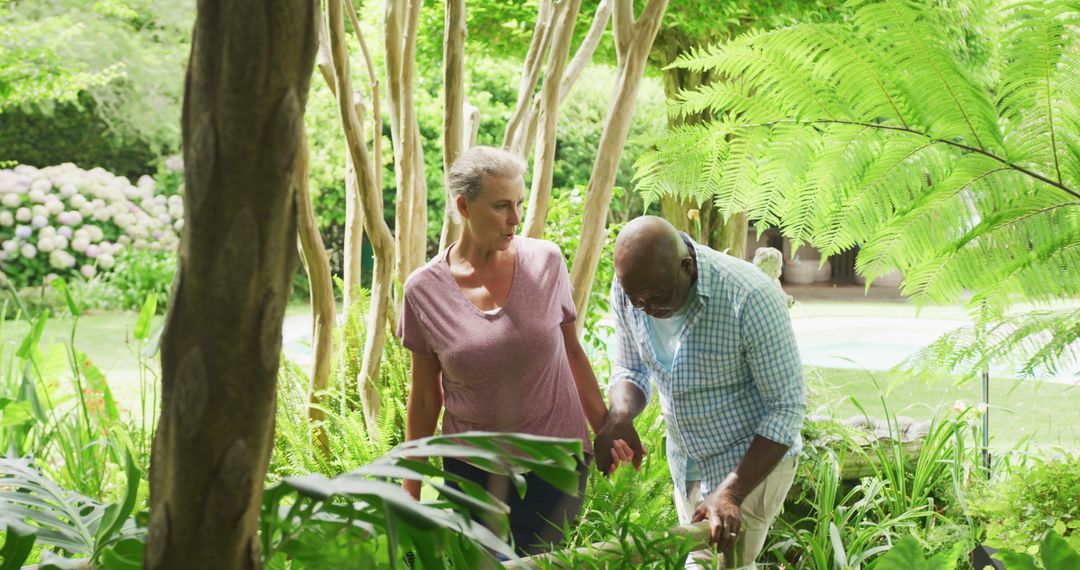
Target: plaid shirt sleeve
<point x="773" y="358"/>
<point x="626" y="362"/>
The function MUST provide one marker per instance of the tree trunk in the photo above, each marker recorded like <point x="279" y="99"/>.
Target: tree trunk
<point x="544" y="163"/>
<point x="402" y="22"/>
<point x="454" y="109"/>
<point x="382" y="242"/>
<point x="247" y="83"/>
<point x="530" y="75"/>
<point x="633" y="40"/>
<point x="711" y="229"/>
<point x="317" y="264"/>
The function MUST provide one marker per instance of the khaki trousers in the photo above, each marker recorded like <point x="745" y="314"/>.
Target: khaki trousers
<point x="759" y="510"/>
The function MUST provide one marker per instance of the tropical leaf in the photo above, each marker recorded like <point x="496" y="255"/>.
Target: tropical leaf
<point x="883" y="133"/>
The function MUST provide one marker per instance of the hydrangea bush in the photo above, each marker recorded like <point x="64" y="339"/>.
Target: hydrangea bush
<point x="63" y="220"/>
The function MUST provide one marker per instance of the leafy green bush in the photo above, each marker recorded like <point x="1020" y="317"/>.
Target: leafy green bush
<point x="1030" y="500"/>
<point x="136" y="275"/>
<point x="1055" y="553"/>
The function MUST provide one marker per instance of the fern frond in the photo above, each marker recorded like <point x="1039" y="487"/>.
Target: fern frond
<point x="880" y="132"/>
<point x="1035" y="345"/>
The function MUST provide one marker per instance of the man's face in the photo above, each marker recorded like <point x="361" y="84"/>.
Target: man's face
<point x="653" y="293"/>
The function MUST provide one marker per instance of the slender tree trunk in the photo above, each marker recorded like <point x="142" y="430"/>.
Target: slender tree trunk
<point x="633" y="40"/>
<point x="401" y="23"/>
<point x="317" y="264"/>
<point x="246" y="89"/>
<point x="382" y="242"/>
<point x="544" y="163"/>
<point x="530" y="76"/>
<point x="454" y="112"/>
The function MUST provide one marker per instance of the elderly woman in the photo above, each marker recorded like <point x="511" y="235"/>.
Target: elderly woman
<point x="490" y="324"/>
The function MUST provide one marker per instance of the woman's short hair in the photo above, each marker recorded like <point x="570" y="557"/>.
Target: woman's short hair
<point x="467" y="174"/>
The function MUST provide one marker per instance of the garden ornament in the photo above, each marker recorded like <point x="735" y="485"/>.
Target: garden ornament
<point x="771" y="261"/>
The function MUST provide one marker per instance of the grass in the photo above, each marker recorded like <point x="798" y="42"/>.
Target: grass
<point x="1044" y="414"/>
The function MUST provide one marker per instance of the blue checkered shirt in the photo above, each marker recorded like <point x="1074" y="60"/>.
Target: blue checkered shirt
<point x="736" y="373"/>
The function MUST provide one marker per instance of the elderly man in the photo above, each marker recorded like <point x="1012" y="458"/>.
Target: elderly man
<point x="714" y="333"/>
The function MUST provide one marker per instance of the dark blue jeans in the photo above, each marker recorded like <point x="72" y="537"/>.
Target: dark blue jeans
<point x="536" y="520"/>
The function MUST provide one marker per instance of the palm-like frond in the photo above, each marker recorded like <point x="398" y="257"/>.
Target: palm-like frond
<point x="879" y="132"/>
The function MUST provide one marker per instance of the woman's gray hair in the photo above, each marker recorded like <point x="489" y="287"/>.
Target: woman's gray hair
<point x="466" y="177"/>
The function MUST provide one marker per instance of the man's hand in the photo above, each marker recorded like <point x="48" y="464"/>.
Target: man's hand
<point x="609" y="450"/>
<point x="724" y="514"/>
<point x="412" y="487"/>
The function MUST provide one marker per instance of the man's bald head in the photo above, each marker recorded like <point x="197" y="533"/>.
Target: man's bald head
<point x="646" y="246"/>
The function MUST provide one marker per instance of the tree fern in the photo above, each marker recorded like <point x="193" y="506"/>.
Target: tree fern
<point x="886" y="133"/>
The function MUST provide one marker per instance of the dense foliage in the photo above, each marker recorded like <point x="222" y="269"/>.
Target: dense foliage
<point x="884" y="132"/>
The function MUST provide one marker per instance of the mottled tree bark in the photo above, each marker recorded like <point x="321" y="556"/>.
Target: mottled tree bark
<point x="566" y="14"/>
<point x="382" y="242"/>
<point x="454" y="109"/>
<point x="401" y="24"/>
<point x="317" y="264"/>
<point x="633" y="40"/>
<point x="246" y="89"/>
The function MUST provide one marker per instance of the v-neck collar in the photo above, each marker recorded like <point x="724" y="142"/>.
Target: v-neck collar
<point x="444" y="264"/>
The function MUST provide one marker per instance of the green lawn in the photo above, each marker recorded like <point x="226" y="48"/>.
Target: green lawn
<point x="1044" y="414"/>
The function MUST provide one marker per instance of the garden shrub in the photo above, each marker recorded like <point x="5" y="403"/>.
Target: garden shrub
<point x="1030" y="500"/>
<point x="66" y="221"/>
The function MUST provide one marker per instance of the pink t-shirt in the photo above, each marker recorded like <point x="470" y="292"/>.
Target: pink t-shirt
<point x="505" y="371"/>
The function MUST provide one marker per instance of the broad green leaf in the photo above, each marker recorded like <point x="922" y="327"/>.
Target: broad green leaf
<point x="1056" y="554"/>
<point x="117" y="514"/>
<point x="908" y="555"/>
<point x="18" y="542"/>
<point x="124" y="555"/>
<point x="146" y="316"/>
<point x="1016" y="560"/>
<point x="98" y="383"/>
<point x="15" y="413"/>
<point x="32" y="338"/>
<point x="60" y="285"/>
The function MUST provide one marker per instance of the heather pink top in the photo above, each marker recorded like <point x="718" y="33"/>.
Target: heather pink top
<point x="505" y="371"/>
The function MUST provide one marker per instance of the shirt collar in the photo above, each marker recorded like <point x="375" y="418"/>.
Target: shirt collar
<point x="705" y="277"/>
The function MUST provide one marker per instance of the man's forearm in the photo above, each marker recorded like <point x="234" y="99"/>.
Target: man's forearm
<point x="626" y="401"/>
<point x="762" y="457"/>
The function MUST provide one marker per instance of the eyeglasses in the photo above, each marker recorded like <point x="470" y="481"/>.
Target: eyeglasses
<point x="659" y="300"/>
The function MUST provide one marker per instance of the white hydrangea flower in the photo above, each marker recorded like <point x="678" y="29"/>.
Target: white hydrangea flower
<point x="47" y="232"/>
<point x="70" y="218"/>
<point x="80" y="244"/>
<point x="123" y="240"/>
<point x="60" y="241"/>
<point x="9" y="246"/>
<point x="140" y="243"/>
<point x="92" y="251"/>
<point x="106" y="261"/>
<point x="54" y="206"/>
<point x="7" y="219"/>
<point x="11" y="200"/>
<point x="88" y="271"/>
<point x="45" y="245"/>
<point x="65" y="231"/>
<point x="41" y="185"/>
<point x="37" y="196"/>
<point x="28" y="250"/>
<point x="23" y="215"/>
<point x="39" y="221"/>
<point x="78" y="201"/>
<point x="96" y="233"/>
<point x="68" y="190"/>
<point x="39" y="210"/>
<point x="60" y="259"/>
<point x="179" y="224"/>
